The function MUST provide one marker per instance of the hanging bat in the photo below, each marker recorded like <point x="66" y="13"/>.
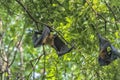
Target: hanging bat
<point x="105" y="56"/>
<point x="46" y="38"/>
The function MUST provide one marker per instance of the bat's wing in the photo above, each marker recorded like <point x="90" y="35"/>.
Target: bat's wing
<point x="39" y="40"/>
<point x="60" y="46"/>
<point x="114" y="53"/>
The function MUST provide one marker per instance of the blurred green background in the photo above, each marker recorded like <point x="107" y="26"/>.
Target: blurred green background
<point x="74" y="20"/>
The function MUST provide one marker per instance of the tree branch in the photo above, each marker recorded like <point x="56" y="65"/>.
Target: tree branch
<point x="33" y="19"/>
<point x="105" y="21"/>
<point x="112" y="13"/>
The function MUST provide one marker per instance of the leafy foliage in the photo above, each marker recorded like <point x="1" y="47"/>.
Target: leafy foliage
<point x="74" y="19"/>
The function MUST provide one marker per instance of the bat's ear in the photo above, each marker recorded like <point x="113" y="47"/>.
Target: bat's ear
<point x="61" y="46"/>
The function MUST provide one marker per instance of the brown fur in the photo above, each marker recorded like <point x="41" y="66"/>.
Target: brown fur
<point x="49" y="40"/>
<point x="103" y="54"/>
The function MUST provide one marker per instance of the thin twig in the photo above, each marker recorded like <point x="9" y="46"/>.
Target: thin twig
<point x="105" y="21"/>
<point x="33" y="19"/>
<point x="110" y="9"/>
<point x="44" y="63"/>
<point x="17" y="47"/>
<point x="9" y="48"/>
<point x="33" y="66"/>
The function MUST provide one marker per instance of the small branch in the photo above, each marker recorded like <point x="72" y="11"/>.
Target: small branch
<point x="33" y="66"/>
<point x="13" y="59"/>
<point x="44" y="63"/>
<point x="17" y="45"/>
<point x="110" y="9"/>
<point x="105" y="21"/>
<point x="18" y="1"/>
<point x="33" y="19"/>
<point x="9" y="48"/>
